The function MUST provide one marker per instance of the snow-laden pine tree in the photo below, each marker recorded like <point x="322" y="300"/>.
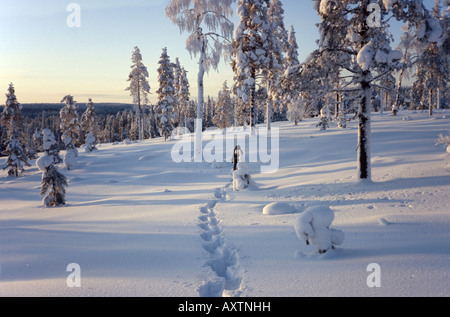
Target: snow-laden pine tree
<point x="224" y="108"/>
<point x="50" y="146"/>
<point x="210" y="31"/>
<point x="16" y="156"/>
<point x="359" y="29"/>
<point x="176" y="95"/>
<point x="291" y="85"/>
<point x="139" y="87"/>
<point x="432" y="66"/>
<point x="406" y="46"/>
<point x="184" y="96"/>
<point x="71" y="130"/>
<point x="54" y="183"/>
<point x="12" y="120"/>
<point x="89" y="126"/>
<point x="251" y="51"/>
<point x="278" y="45"/>
<point x="166" y="93"/>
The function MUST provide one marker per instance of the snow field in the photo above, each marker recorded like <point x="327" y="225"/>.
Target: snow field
<point x="139" y="224"/>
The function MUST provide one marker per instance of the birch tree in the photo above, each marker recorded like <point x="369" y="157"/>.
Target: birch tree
<point x="210" y="31"/>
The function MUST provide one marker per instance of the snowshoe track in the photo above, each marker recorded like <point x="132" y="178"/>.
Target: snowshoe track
<point x="223" y="259"/>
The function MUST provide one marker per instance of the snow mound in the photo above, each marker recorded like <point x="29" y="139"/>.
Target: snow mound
<point x="280" y="208"/>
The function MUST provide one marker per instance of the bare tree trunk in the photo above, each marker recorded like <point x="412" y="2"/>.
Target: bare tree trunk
<point x="430" y="102"/>
<point x="400" y="80"/>
<point x="364" y="127"/>
<point x="269" y="114"/>
<point x="253" y="99"/>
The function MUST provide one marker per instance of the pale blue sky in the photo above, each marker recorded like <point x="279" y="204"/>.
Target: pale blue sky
<point x="45" y="59"/>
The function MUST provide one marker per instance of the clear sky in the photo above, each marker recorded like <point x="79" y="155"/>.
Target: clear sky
<point x="46" y="59"/>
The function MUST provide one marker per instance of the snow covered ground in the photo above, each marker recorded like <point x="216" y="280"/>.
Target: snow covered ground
<point x="139" y="224"/>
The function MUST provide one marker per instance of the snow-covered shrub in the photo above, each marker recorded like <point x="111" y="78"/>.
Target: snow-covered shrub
<point x="445" y="140"/>
<point x="313" y="227"/>
<point x="16" y="156"/>
<point x="53" y="185"/>
<point x="70" y="158"/>
<point x="323" y="123"/>
<point x="241" y="177"/>
<point x="90" y="143"/>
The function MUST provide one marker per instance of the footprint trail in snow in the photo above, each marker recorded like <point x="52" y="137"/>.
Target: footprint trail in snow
<point x="223" y="259"/>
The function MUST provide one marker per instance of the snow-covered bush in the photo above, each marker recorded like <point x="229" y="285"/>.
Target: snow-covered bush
<point x="445" y="140"/>
<point x="90" y="143"/>
<point x="53" y="185"/>
<point x="70" y="158"/>
<point x="241" y="177"/>
<point x="313" y="227"/>
<point x="323" y="123"/>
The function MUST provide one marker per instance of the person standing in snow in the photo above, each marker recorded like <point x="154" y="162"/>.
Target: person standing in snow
<point x="236" y="155"/>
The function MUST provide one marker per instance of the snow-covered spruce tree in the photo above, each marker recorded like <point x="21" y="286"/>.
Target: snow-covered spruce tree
<point x="139" y="87"/>
<point x="71" y="130"/>
<point x="251" y="51"/>
<point x="210" y="31"/>
<point x="184" y="96"/>
<point x="181" y="95"/>
<point x="323" y="123"/>
<point x="89" y="126"/>
<point x="290" y="84"/>
<point x="12" y="120"/>
<point x="54" y="183"/>
<point x="224" y="108"/>
<point x="166" y="92"/>
<point x="16" y="156"/>
<point x="432" y="69"/>
<point x="364" y="24"/>
<point x="176" y="96"/>
<point x="407" y="49"/>
<point x="278" y="44"/>
<point x="50" y="146"/>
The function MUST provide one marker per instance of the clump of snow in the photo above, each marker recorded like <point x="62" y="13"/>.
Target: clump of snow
<point x="313" y="227"/>
<point x="70" y="159"/>
<point x="365" y="56"/>
<point x="388" y="4"/>
<point x="43" y="162"/>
